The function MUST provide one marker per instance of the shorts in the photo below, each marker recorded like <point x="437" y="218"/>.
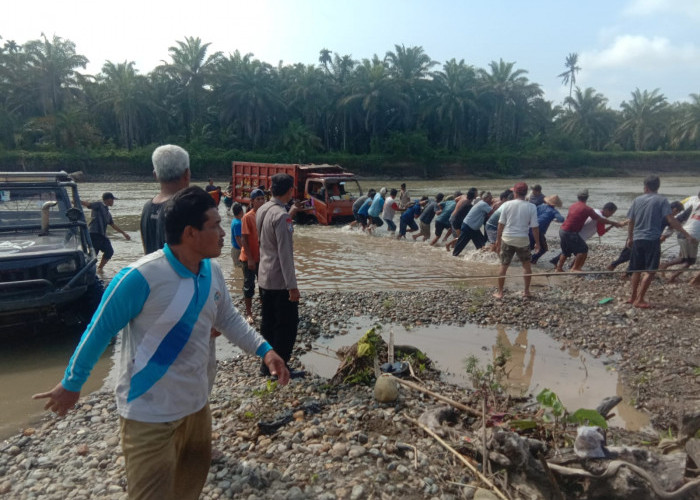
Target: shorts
<point x="456" y="224"/>
<point x="646" y="255"/>
<point x="377" y="221"/>
<point x="228" y="202"/>
<point x="249" y="280"/>
<point x="236" y="257"/>
<point x="508" y="251"/>
<point x="491" y="234"/>
<point x="362" y="219"/>
<point x="572" y="243"/>
<point x="688" y="251"/>
<point x="440" y="227"/>
<point x="424" y="229"/>
<point x="102" y="244"/>
<point x="390" y="226"/>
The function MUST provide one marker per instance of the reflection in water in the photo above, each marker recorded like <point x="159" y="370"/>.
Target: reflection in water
<point x="518" y="373"/>
<point x="535" y="362"/>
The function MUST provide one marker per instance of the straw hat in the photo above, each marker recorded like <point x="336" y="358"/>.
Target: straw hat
<point x="553" y="200"/>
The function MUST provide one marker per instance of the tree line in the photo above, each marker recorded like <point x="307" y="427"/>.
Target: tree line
<point x="402" y="104"/>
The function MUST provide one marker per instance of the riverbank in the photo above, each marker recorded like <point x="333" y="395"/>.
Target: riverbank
<point x="341" y="443"/>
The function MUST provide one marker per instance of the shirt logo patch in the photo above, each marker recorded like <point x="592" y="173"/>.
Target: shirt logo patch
<point x="290" y="226"/>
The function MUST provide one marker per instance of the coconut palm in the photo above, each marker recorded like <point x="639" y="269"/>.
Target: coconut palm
<point x="568" y="77"/>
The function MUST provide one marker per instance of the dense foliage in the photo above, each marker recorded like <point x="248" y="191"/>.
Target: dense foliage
<point x="404" y="105"/>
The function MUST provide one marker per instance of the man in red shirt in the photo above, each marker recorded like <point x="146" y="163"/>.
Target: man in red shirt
<point x="250" y="251"/>
<point x="571" y="240"/>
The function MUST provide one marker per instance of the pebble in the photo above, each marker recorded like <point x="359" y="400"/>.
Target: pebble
<point x="355" y="447"/>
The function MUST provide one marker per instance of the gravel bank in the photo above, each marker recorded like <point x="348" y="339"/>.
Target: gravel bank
<point x="350" y="446"/>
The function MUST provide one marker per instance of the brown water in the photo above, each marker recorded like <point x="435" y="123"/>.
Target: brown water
<point x="327" y="258"/>
<point x="534" y="362"/>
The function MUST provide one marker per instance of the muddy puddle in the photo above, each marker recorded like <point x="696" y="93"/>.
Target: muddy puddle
<point x="535" y="362"/>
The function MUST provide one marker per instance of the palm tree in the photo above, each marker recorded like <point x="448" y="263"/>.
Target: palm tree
<point x="588" y="118"/>
<point x="248" y="96"/>
<point x="504" y="96"/>
<point x="453" y="101"/>
<point x="644" y="119"/>
<point x="52" y="75"/>
<point x="325" y="58"/>
<point x="687" y="125"/>
<point x="126" y="94"/>
<point x="568" y="77"/>
<point x="189" y="72"/>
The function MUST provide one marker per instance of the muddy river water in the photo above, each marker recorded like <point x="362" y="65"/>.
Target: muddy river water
<point x="338" y="258"/>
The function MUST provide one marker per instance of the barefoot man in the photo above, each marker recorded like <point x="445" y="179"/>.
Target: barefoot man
<point x="517" y="217"/>
<point x="646" y="216"/>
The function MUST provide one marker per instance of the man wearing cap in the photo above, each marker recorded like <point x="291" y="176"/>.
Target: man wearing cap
<point x="276" y="275"/>
<point x="571" y="240"/>
<point x="250" y="250"/>
<point x="171" y="168"/>
<point x="101" y="218"/>
<point x="518" y="216"/>
<point x="546" y="213"/>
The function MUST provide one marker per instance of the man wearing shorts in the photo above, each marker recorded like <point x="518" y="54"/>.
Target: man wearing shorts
<point x="518" y="216"/>
<point x="432" y="209"/>
<point x="101" y="218"/>
<point x="571" y="241"/>
<point x="646" y="217"/>
<point x="250" y="251"/>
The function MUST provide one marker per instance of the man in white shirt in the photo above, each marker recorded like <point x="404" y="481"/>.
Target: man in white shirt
<point x="518" y="216"/>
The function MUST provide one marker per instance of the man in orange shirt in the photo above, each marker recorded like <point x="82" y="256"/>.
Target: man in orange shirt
<point x="250" y="251"/>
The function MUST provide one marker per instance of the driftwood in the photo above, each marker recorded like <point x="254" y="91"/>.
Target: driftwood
<point x="613" y="468"/>
<point x="440" y="397"/>
<point x="462" y="459"/>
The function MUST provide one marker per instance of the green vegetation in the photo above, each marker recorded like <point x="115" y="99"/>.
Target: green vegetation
<point x="555" y="410"/>
<point x="269" y="388"/>
<point x="401" y="114"/>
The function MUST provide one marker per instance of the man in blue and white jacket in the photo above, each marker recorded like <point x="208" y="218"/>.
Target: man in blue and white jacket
<point x="165" y="305"/>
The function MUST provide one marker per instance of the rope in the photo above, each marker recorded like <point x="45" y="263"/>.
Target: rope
<point x="547" y="274"/>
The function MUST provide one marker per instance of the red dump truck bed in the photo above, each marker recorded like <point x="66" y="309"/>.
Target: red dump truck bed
<point x="327" y="190"/>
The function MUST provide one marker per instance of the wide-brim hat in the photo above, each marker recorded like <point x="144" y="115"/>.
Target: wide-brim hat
<point x="553" y="200"/>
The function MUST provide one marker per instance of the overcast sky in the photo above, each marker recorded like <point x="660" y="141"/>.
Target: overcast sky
<point x="622" y="44"/>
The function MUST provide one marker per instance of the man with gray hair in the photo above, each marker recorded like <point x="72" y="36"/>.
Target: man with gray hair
<point x="171" y="168"/>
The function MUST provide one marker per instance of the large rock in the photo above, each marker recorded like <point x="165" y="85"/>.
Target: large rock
<point x="386" y="389"/>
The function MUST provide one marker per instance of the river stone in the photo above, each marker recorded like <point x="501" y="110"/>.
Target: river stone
<point x="385" y="389"/>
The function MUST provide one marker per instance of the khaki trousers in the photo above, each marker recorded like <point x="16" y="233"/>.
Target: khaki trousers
<point x="168" y="460"/>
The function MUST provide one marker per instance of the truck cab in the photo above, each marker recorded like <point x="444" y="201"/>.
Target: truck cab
<point x="327" y="192"/>
<point x="329" y="198"/>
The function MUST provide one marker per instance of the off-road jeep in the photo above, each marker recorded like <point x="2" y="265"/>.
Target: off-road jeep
<point x="47" y="261"/>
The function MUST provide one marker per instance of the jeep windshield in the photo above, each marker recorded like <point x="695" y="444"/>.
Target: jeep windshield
<point x="37" y="219"/>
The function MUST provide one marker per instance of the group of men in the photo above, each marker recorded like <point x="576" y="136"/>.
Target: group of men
<point x="169" y="306"/>
<point x="517" y="225"/>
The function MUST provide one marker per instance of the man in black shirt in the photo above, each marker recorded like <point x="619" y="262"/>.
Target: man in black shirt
<point x="171" y="167"/>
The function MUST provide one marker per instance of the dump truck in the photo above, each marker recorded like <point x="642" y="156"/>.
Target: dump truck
<point x="326" y="192"/>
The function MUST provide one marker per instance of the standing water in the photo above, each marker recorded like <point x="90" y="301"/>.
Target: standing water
<point x="327" y="258"/>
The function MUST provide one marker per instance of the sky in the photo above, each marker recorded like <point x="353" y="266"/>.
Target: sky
<point x="622" y="44"/>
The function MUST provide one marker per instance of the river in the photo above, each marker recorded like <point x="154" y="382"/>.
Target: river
<point x="330" y="258"/>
